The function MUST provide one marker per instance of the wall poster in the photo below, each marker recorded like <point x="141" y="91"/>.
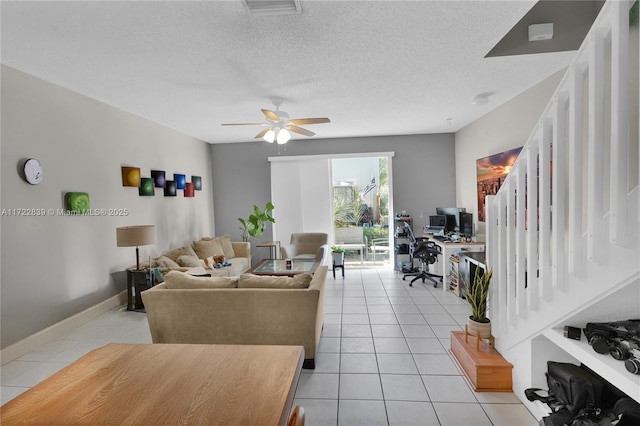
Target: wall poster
<point x="491" y="172"/>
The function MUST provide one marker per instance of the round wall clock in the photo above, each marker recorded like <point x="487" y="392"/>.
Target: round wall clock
<point x="33" y="171"/>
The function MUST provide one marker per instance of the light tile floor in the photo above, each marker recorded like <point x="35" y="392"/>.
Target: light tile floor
<point x="382" y="360"/>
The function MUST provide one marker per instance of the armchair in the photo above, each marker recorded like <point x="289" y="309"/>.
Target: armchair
<point x="306" y="245"/>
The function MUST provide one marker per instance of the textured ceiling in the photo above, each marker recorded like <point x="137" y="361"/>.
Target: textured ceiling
<point x="372" y="67"/>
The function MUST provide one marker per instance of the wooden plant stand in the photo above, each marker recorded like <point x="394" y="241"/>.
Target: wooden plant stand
<point x="484" y="368"/>
<point x="478" y="338"/>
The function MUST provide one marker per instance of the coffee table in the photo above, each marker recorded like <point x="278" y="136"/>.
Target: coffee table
<point x="279" y="267"/>
<point x="153" y="384"/>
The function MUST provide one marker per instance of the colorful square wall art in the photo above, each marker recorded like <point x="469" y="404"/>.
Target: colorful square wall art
<point x="77" y="202"/>
<point x="189" y="189"/>
<point x="158" y="178"/>
<point x="130" y="176"/>
<point x="197" y="182"/>
<point x="170" y="188"/>
<point x="146" y="187"/>
<point x="491" y="172"/>
<point x="180" y="180"/>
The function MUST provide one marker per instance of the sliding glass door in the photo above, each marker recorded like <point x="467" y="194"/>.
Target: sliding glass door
<point x="361" y="207"/>
<point x="336" y="194"/>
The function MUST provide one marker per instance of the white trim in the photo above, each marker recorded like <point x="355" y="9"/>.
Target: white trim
<point x="331" y="156"/>
<point x="59" y="329"/>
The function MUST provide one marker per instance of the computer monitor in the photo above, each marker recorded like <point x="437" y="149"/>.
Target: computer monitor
<point x="466" y="224"/>
<point x="453" y="214"/>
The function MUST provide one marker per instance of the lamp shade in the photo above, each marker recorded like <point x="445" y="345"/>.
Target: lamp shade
<point x="134" y="236"/>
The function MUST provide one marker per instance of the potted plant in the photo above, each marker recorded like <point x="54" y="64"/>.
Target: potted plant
<point x="254" y="225"/>
<point x="477" y="293"/>
<point x="337" y="255"/>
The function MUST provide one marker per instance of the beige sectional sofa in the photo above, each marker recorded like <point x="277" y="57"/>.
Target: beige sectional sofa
<point x="249" y="310"/>
<point x="200" y="254"/>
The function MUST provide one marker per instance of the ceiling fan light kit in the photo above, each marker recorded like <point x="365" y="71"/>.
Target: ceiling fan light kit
<point x="283" y="136"/>
<point x="270" y="136"/>
<point x="280" y="126"/>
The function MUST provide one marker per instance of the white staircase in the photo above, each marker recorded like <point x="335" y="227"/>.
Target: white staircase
<point x="563" y="231"/>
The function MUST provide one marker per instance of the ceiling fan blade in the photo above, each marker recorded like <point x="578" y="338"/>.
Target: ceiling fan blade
<point x="262" y="133"/>
<point x="300" y="130"/>
<point x="244" y="124"/>
<point x="270" y="115"/>
<point x="309" y="120"/>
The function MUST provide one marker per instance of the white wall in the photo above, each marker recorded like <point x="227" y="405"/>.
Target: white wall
<point x="506" y="127"/>
<point x="54" y="266"/>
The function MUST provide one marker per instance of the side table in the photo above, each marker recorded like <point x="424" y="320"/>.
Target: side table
<point x="138" y="280"/>
<point x="274" y="248"/>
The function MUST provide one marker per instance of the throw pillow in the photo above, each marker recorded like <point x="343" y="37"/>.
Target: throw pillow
<point x="176" y="253"/>
<point x="225" y="243"/>
<point x="227" y="247"/>
<point x="273" y="281"/>
<point x="167" y="262"/>
<point x="189" y="260"/>
<point x="207" y="248"/>
<point x="180" y="280"/>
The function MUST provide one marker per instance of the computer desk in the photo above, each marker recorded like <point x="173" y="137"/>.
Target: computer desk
<point x="447" y="249"/>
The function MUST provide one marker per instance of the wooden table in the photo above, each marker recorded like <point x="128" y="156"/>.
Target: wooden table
<point x="166" y="384"/>
<point x="278" y="267"/>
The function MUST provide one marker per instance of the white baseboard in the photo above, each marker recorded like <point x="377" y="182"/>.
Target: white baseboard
<point x="59" y="329"/>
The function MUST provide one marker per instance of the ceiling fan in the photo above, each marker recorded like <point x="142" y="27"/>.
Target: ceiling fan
<point x="279" y="126"/>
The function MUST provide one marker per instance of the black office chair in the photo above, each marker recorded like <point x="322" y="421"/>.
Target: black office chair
<point x="427" y="252"/>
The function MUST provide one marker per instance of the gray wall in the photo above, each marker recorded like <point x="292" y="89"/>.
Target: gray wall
<point x="423" y="174"/>
<point x="54" y="266"/>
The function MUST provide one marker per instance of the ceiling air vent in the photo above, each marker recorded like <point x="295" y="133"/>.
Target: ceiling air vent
<point x="273" y="7"/>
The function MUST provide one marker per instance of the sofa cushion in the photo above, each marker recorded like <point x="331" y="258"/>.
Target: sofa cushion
<point x="189" y="260"/>
<point x="207" y="248"/>
<point x="181" y="280"/>
<point x="167" y="262"/>
<point x="272" y="281"/>
<point x="175" y="253"/>
<point x="225" y="243"/>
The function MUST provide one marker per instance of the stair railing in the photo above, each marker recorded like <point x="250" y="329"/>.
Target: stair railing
<point x="563" y="229"/>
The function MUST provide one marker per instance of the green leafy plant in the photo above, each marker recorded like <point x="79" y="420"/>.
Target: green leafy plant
<point x="346" y="206"/>
<point x="337" y="249"/>
<point x="477" y="294"/>
<point x="255" y="224"/>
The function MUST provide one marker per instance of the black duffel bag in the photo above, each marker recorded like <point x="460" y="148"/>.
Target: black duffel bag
<point x="573" y="392"/>
<point x="574" y="387"/>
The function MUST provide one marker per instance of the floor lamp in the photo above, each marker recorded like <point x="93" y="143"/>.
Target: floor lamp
<point x="135" y="236"/>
